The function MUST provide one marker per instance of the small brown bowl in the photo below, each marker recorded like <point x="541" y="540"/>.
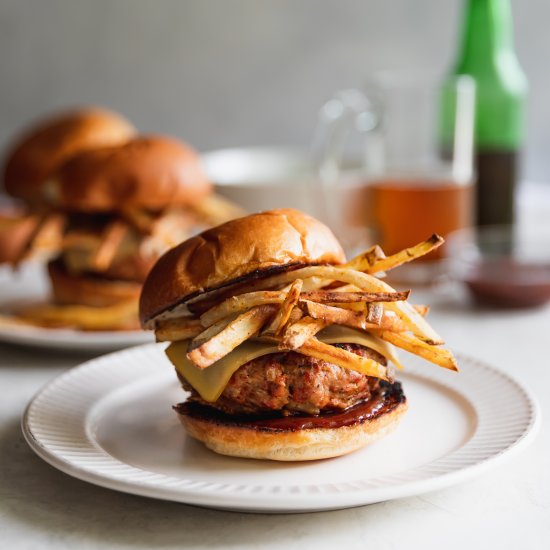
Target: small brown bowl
<point x="502" y="266"/>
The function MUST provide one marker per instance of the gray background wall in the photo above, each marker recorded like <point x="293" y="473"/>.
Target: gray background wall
<point x="237" y="72"/>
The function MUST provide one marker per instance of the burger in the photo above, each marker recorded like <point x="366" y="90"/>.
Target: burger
<point x="121" y="206"/>
<point x="42" y="148"/>
<point x="285" y="349"/>
<point x="101" y="204"/>
<point x="30" y="163"/>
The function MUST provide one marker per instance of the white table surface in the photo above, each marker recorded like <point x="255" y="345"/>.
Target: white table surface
<point x="508" y="507"/>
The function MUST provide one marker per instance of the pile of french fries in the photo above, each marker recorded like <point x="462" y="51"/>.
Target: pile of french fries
<point x="291" y="308"/>
<point x="113" y="317"/>
<point x="50" y="238"/>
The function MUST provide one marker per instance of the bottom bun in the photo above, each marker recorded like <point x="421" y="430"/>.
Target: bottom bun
<point x="89" y="290"/>
<point x="250" y="441"/>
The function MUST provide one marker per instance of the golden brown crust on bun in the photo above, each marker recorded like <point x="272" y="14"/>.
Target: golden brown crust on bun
<point x="40" y="151"/>
<point x="150" y="172"/>
<point x="87" y="290"/>
<point x="132" y="268"/>
<point x="240" y="248"/>
<point x="306" y="444"/>
<point x="15" y="232"/>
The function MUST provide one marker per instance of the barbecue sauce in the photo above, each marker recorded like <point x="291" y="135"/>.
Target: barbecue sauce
<point x="383" y="400"/>
<point x="506" y="284"/>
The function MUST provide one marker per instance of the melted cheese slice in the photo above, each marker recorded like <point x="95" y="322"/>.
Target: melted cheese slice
<point x="211" y="382"/>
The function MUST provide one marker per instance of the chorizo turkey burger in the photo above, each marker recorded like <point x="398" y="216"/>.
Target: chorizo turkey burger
<point x="120" y="207"/>
<point x="30" y="163"/>
<point x="287" y="350"/>
<point x="39" y="151"/>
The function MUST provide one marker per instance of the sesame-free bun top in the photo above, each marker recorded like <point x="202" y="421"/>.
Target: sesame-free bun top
<point x="239" y="249"/>
<point x="150" y="172"/>
<point x="39" y="151"/>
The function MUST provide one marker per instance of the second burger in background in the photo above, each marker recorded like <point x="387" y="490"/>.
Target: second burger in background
<point x="33" y="158"/>
<point x="284" y="347"/>
<point x="122" y="206"/>
<point x="39" y="151"/>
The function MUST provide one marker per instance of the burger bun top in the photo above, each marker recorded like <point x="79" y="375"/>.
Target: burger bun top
<point x="149" y="172"/>
<point x="250" y="247"/>
<point x="39" y="151"/>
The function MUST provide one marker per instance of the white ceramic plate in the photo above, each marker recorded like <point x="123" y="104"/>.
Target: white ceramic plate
<point x="109" y="421"/>
<point x="30" y="284"/>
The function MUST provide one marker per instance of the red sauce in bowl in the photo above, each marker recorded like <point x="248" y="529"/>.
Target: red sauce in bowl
<point x="508" y="283"/>
<point x="387" y="398"/>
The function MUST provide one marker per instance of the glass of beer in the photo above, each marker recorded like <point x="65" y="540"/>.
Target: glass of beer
<point x="396" y="164"/>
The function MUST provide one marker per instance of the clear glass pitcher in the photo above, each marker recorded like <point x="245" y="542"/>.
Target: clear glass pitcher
<point x="395" y="160"/>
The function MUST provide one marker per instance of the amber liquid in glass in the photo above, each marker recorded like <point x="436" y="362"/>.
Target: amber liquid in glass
<point x="402" y="212"/>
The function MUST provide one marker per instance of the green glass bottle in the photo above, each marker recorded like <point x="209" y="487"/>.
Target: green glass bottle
<point x="487" y="55"/>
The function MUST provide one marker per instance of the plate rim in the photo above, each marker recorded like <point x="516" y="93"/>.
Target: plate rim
<point x="16" y="332"/>
<point x="81" y="340"/>
<point x="280" y="502"/>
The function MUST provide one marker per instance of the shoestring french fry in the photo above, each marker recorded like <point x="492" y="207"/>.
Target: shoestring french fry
<point x="283" y="314"/>
<point x="236" y="332"/>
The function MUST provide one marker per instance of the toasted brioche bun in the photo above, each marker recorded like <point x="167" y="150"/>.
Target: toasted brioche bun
<point x="88" y="290"/>
<point x="298" y="445"/>
<point x="37" y="154"/>
<point x="132" y="268"/>
<point x="15" y="232"/>
<point x="248" y="247"/>
<point x="150" y="172"/>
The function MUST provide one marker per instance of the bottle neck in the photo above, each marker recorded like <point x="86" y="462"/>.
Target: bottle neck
<point x="487" y="35"/>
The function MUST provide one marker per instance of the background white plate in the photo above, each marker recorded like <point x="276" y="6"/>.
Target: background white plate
<point x="109" y="422"/>
<point x="30" y="283"/>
